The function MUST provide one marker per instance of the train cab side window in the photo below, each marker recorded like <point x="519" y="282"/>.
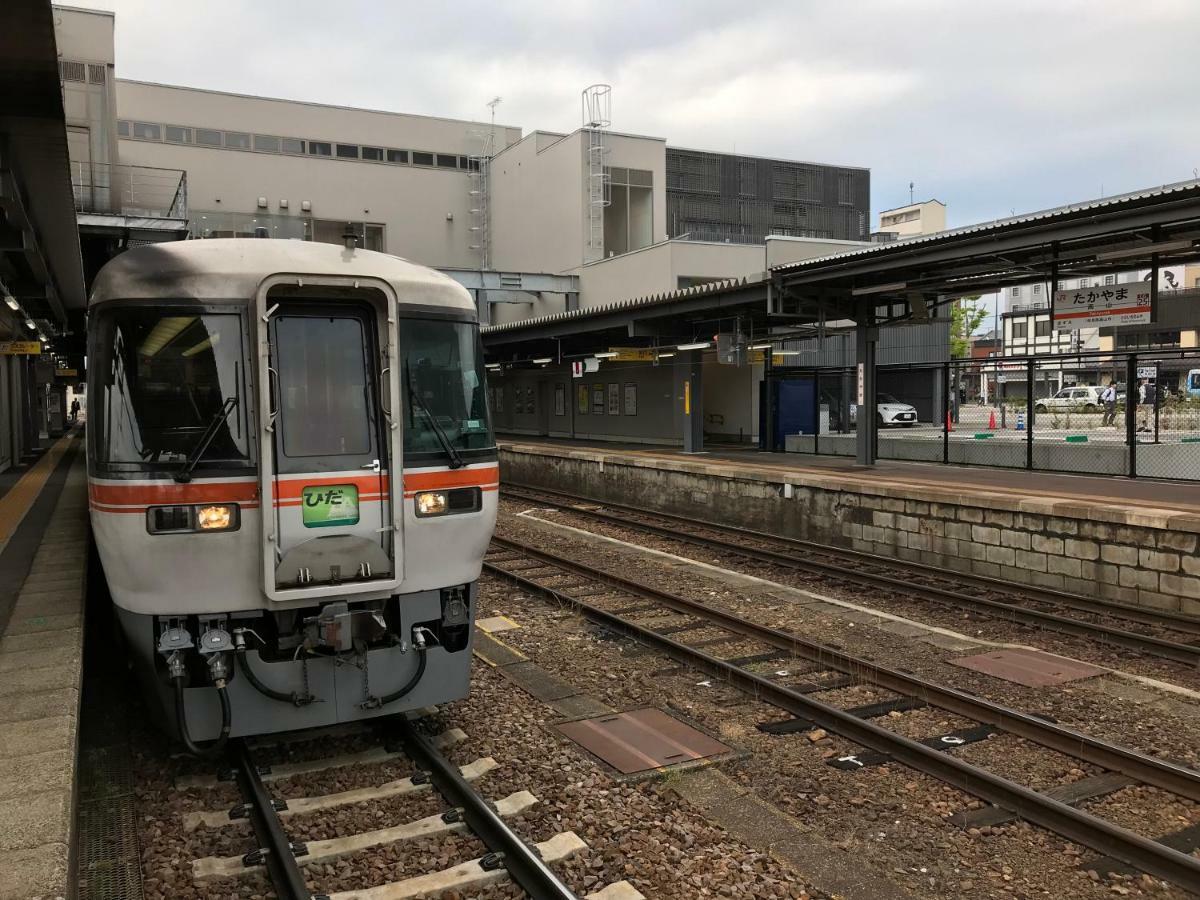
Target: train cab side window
<point x="443" y="380"/>
<point x="167" y="377"/>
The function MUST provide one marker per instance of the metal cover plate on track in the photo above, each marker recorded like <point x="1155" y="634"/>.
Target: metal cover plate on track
<point x="1031" y="668"/>
<point x="641" y="740"/>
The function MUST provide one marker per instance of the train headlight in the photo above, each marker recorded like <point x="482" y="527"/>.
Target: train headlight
<point x="432" y="503"/>
<point x="190" y="519"/>
<point x="215" y="518"/>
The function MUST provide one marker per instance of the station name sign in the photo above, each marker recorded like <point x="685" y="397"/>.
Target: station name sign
<point x="1110" y="304"/>
<point x="20" y="348"/>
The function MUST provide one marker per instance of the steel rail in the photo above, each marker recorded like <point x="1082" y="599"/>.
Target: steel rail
<point x="520" y="860"/>
<point x="274" y="848"/>
<point x="1175" y="621"/>
<point x="1074" y="824"/>
<point x="1160" y="773"/>
<point x="1161" y="647"/>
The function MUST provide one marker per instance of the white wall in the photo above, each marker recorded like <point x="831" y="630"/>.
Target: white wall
<point x="731" y="400"/>
<point x="411" y="202"/>
<point x="782" y="249"/>
<point x="537" y="193"/>
<point x="540" y="200"/>
<point x="89" y="106"/>
<point x="657" y="269"/>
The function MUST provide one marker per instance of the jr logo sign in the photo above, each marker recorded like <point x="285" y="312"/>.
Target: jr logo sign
<point x="329" y="505"/>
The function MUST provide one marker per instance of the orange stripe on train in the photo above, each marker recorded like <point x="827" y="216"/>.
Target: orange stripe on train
<point x="129" y="497"/>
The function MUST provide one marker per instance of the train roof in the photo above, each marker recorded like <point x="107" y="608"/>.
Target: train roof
<point x="233" y="268"/>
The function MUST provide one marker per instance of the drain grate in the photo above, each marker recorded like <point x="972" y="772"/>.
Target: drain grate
<point x="109" y="867"/>
<point x="104" y="773"/>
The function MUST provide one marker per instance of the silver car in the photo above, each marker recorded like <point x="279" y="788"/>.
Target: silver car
<point x="1081" y="398"/>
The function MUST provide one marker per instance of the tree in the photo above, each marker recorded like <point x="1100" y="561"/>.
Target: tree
<point x="965" y="316"/>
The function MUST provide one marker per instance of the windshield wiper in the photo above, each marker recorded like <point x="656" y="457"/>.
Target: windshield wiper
<point x="456" y="460"/>
<point x="184" y="475"/>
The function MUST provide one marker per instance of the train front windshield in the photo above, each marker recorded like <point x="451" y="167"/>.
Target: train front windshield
<point x="171" y="387"/>
<point x="443" y="388"/>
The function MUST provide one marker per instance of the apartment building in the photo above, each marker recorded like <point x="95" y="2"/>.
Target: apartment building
<point x="914" y="220"/>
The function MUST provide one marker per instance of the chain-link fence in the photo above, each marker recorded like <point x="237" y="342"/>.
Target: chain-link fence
<point x="1128" y="414"/>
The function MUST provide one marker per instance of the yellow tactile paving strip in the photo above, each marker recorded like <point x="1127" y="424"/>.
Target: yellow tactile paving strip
<point x="20" y="497"/>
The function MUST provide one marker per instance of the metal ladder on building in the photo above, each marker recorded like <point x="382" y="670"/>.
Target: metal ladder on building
<point x="479" y="190"/>
<point x="597" y="118"/>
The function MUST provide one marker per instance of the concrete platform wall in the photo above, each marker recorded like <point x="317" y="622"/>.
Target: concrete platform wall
<point x="1133" y="555"/>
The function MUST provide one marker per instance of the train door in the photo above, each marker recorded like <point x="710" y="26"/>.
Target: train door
<point x="330" y="449"/>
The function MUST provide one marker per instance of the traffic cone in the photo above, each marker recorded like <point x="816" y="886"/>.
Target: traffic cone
<point x="992" y="421"/>
<point x="949" y="424"/>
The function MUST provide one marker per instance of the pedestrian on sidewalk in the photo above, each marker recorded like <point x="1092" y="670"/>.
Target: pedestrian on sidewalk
<point x="1109" y="399"/>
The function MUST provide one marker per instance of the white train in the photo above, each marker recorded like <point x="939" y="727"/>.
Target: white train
<point x="292" y="480"/>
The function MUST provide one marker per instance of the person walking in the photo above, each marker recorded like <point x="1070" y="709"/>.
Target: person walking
<point x="75" y="410"/>
<point x="1146" y="395"/>
<point x="1109" y="399"/>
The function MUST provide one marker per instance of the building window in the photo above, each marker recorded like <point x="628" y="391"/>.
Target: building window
<point x="1020" y="329"/>
<point x="291" y="145"/>
<point x="147" y="131"/>
<point x="1016" y="292"/>
<point x="330" y="231"/>
<point x="446" y="161"/>
<point x="70" y="71"/>
<point x="421" y="158"/>
<point x="373" y="153"/>
<point x="237" y="140"/>
<point x="464" y="162"/>
<point x="177" y="135"/>
<point x="1110" y="279"/>
<point x="398" y="156"/>
<point x="208" y="137"/>
<point x="123" y="127"/>
<point x="1085" y="282"/>
<point x="1147" y="340"/>
<point x="1041" y="328"/>
<point x="320" y="148"/>
<point x="266" y="143"/>
<point x="347" y="151"/>
<point x="1037" y="290"/>
<point x="1059" y="286"/>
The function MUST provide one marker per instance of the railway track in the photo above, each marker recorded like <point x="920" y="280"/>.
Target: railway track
<point x="611" y="601"/>
<point x="466" y="811"/>
<point x="1021" y="604"/>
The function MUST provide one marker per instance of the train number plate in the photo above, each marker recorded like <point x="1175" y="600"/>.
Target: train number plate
<point x="328" y="505"/>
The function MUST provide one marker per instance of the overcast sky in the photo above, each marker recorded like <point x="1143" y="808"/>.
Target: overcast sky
<point x="989" y="105"/>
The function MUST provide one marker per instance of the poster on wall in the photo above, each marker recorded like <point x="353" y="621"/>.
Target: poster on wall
<point x="597" y="399"/>
<point x="560" y="399"/>
<point x="583" y="399"/>
<point x="527" y="401"/>
<point x="631" y="399"/>
<point x="614" y="399"/>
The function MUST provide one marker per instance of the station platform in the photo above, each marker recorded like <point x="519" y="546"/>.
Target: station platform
<point x="1126" y="539"/>
<point x="43" y="574"/>
<point x="1117" y="497"/>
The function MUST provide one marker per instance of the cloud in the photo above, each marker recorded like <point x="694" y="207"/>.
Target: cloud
<point x="990" y="107"/>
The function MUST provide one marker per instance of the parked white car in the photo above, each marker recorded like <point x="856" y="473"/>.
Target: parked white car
<point x="1081" y="398"/>
<point x="893" y="412"/>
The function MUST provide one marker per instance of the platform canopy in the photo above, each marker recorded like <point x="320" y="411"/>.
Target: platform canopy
<point x="897" y="282"/>
<point x="903" y="280"/>
<point x="662" y="320"/>
<point x="40" y="260"/>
